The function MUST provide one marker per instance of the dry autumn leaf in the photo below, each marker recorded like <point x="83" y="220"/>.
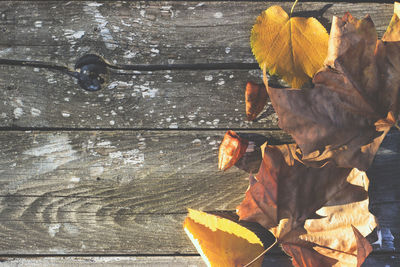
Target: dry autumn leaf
<point x="231" y="150"/>
<point x="292" y="47"/>
<point x="222" y="242"/>
<point x="255" y="97"/>
<point x="312" y="212"/>
<point x="355" y="99"/>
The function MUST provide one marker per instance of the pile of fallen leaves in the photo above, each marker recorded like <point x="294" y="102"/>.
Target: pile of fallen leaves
<point x="311" y="195"/>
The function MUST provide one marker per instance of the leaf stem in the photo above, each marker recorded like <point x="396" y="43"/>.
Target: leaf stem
<point x="265" y="77"/>
<point x="294" y="4"/>
<point x="262" y="253"/>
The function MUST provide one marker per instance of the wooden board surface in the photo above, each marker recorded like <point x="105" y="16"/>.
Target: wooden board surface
<point x="149" y="32"/>
<point x="123" y="191"/>
<point x="111" y="173"/>
<point x="167" y="261"/>
<point x="155" y="32"/>
<point x="162" y="100"/>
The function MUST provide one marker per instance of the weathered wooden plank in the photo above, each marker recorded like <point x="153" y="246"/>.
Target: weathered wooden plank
<point x="158" y="100"/>
<point x="120" y="261"/>
<point x="155" y="261"/>
<point x="155" y="32"/>
<point x="168" y="168"/>
<point x="122" y="192"/>
<point x="384" y="175"/>
<point x="63" y="31"/>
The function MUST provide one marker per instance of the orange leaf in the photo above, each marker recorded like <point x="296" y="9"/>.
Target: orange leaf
<point x="222" y="242"/>
<point x="310" y="211"/>
<point x="256" y="97"/>
<point x="231" y="150"/>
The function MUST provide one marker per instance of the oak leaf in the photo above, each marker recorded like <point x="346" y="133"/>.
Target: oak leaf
<point x="292" y="47"/>
<point x="222" y="242"/>
<point x="355" y="99"/>
<point x="232" y="148"/>
<point x="314" y="213"/>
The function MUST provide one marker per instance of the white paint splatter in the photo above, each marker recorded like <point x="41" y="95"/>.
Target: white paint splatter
<point x="104" y="144"/>
<point x="129" y="54"/>
<point x="131" y="157"/>
<point x="145" y="90"/>
<point x="227" y="50"/>
<point x="18" y="105"/>
<point x="218" y="15"/>
<point x="38" y="24"/>
<point x="35" y="112"/>
<point x="112" y="122"/>
<point x="196" y="141"/>
<point x="65" y="114"/>
<point x="173" y="125"/>
<point x="71" y="34"/>
<point x="155" y="50"/>
<point x="54" y="229"/>
<point x="208" y="78"/>
<point x="74" y="179"/>
<point x="92" y="10"/>
<point x="18" y="112"/>
<point x="6" y="51"/>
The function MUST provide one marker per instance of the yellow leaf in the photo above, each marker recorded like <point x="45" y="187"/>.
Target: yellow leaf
<point x="392" y="33"/>
<point x="222" y="242"/>
<point x="294" y="48"/>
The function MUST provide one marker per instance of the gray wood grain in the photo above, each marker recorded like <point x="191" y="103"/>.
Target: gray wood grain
<point x="153" y="261"/>
<point x="149" y="32"/>
<point x="122" y="192"/>
<point x="158" y="100"/>
<point x="138" y="32"/>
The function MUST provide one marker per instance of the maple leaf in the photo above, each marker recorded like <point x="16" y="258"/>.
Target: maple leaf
<point x="318" y="215"/>
<point x="232" y="148"/>
<point x="255" y="98"/>
<point x="222" y="242"/>
<point x="355" y="97"/>
<point x="292" y="47"/>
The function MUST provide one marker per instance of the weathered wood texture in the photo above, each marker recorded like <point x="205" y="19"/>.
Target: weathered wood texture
<point x="166" y="261"/>
<point x="162" y="100"/>
<point x="149" y="32"/>
<point x="121" y="191"/>
<point x="110" y="176"/>
<point x="144" y="32"/>
<point x="109" y="192"/>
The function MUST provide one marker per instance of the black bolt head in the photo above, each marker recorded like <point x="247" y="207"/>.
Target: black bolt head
<point x="93" y="72"/>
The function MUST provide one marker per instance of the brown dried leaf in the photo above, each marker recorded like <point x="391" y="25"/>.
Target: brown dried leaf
<point x="255" y="97"/>
<point x="231" y="150"/>
<point x="354" y="101"/>
<point x="311" y="211"/>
